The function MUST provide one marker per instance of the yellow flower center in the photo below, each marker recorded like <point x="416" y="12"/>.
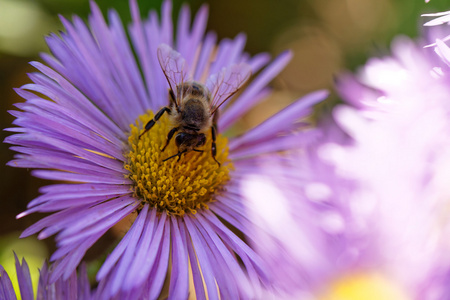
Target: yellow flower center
<point x="174" y="186"/>
<point x="367" y="286"/>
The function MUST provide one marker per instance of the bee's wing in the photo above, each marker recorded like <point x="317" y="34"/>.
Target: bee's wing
<point x="226" y="83"/>
<point x="173" y="66"/>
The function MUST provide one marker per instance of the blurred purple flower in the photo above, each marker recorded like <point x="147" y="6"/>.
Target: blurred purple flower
<point x="82" y="135"/>
<point x="400" y="158"/>
<point x="74" y="287"/>
<point x="365" y="210"/>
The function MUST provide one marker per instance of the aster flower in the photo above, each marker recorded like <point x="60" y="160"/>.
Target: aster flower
<point x="90" y="134"/>
<point x="366" y="208"/>
<point x="75" y="287"/>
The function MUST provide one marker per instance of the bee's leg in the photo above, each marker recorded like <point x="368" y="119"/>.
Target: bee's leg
<point x="152" y="122"/>
<point x="178" y="154"/>
<point x="197" y="150"/>
<point x="213" y="146"/>
<point x="169" y="137"/>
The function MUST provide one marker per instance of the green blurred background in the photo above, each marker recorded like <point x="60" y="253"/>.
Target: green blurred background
<point x="326" y="36"/>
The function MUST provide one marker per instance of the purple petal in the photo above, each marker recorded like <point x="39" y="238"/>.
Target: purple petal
<point x="166" y="22"/>
<point x="138" y="271"/>
<point x="179" y="281"/>
<point x="24" y="279"/>
<point x="61" y="217"/>
<point x="126" y="259"/>
<point x="258" y="61"/>
<point x="68" y="146"/>
<point x="229" y="53"/>
<point x="81" y="188"/>
<point x="237" y="245"/>
<point x="68" y="264"/>
<point x="61" y="161"/>
<point x="94" y="127"/>
<point x="64" y="176"/>
<point x="159" y="270"/>
<point x="42" y="289"/>
<point x="118" y="251"/>
<point x="184" y="20"/>
<point x="103" y="215"/>
<point x="118" y="56"/>
<point x="231" y="216"/>
<point x="200" y="252"/>
<point x="282" y="121"/>
<point x="205" y="56"/>
<point x="225" y="269"/>
<point x="276" y="144"/>
<point x="84" y="288"/>
<point x="247" y="99"/>
<point x="147" y="58"/>
<point x="76" y="191"/>
<point x="6" y="288"/>
<point x="196" y="272"/>
<point x="68" y="237"/>
<point x="190" y="45"/>
<point x="99" y="87"/>
<point x="64" y="93"/>
<point x="48" y="113"/>
<point x="86" y="213"/>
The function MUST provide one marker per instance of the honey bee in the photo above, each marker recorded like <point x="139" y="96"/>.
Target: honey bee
<point x="193" y="107"/>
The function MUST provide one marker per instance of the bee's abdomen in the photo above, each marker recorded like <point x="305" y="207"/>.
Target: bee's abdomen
<point x="194" y="113"/>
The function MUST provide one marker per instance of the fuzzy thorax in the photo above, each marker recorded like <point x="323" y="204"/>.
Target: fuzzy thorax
<point x="175" y="187"/>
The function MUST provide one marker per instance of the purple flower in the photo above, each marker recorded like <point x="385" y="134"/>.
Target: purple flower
<point x="400" y="159"/>
<point x="366" y="208"/>
<point x="81" y="123"/>
<point x="74" y="287"/>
